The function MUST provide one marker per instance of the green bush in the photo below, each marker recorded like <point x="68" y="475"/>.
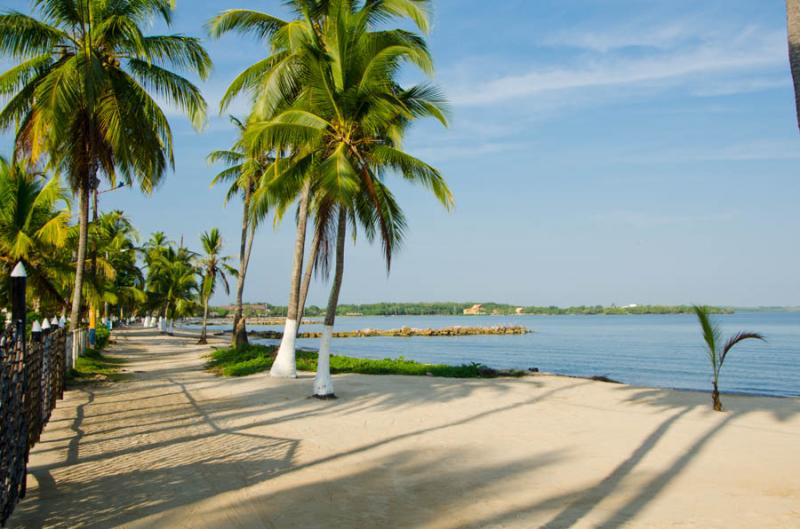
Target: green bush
<point x="102" y="335"/>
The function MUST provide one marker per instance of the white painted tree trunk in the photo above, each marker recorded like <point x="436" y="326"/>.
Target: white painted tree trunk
<point x="284" y="366"/>
<point x="171" y="327"/>
<point x="162" y="324"/>
<point x="323" y="383"/>
<point x="146" y="322"/>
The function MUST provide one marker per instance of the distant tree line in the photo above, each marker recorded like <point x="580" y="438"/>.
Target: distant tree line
<point x="457" y="309"/>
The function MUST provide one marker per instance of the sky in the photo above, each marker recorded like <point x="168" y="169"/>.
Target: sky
<point x="599" y="151"/>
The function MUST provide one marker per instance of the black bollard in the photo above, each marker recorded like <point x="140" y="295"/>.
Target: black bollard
<point x="19" y="278"/>
<point x="36" y="332"/>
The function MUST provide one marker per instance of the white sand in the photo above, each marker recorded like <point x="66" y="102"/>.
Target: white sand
<point x="177" y="447"/>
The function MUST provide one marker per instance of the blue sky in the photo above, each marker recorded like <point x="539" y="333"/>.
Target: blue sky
<point x="600" y="151"/>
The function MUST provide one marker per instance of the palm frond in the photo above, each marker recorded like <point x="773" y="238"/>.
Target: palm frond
<point x="711" y="333"/>
<point x="177" y="90"/>
<point x="738" y="338"/>
<point x="22" y="36"/>
<point x="244" y="21"/>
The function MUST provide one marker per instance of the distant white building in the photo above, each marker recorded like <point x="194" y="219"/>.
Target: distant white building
<point x="474" y="310"/>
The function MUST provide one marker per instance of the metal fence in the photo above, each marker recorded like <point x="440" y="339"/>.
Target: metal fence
<point x="31" y="381"/>
<point x="32" y="371"/>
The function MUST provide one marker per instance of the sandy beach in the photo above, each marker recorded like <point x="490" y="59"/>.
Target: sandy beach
<point x="177" y="447"/>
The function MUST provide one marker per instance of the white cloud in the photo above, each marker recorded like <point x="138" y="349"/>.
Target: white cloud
<point x="750" y="50"/>
<point x="467" y="149"/>
<point x="636" y="34"/>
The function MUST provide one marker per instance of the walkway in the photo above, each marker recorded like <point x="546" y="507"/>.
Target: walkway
<point x="177" y="447"/>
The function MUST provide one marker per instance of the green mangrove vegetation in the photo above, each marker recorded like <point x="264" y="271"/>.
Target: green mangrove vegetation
<point x="457" y="309"/>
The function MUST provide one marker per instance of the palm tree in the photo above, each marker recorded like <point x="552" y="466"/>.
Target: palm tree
<point x="34" y="229"/>
<point x="346" y="124"/>
<point x="118" y="281"/>
<point x="270" y="82"/>
<point x="82" y="94"/>
<point x="327" y="97"/>
<point x="172" y="283"/>
<point x="717" y="356"/>
<point x="793" y="26"/>
<point x="212" y="268"/>
<point x="244" y="171"/>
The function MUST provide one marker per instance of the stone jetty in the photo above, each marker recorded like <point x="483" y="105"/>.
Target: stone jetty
<point x="407" y="332"/>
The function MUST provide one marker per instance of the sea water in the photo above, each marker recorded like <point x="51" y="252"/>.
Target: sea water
<point x="659" y="350"/>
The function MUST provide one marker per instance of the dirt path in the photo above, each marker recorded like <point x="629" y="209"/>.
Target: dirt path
<point x="177" y="447"/>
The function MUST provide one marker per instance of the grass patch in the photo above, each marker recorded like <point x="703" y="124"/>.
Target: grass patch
<point x="94" y="366"/>
<point x="232" y="362"/>
<point x="248" y="360"/>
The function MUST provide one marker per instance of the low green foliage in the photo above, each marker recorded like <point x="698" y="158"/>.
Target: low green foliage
<point x="232" y="362"/>
<point x="94" y="365"/>
<point x="102" y="336"/>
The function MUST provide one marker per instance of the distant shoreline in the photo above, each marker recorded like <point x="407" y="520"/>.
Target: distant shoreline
<point x="265" y="310"/>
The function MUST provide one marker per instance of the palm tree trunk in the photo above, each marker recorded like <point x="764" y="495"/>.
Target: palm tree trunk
<point x="715" y="398"/>
<point x="83" y="235"/>
<point x="284" y="365"/>
<point x="94" y="239"/>
<point x="239" y="337"/>
<point x="301" y="309"/>
<point x="793" y="26"/>
<point x="323" y="383"/>
<point x="203" y="332"/>
<point x="163" y="323"/>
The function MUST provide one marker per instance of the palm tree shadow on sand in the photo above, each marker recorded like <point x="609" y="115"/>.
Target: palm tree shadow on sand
<point x="392" y="485"/>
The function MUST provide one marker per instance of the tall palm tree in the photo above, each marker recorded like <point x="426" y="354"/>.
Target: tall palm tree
<point x="34" y="228"/>
<point x="716" y="350"/>
<point x="271" y="82"/>
<point x="213" y="268"/>
<point x="327" y="96"/>
<point x="83" y="92"/>
<point x="793" y="26"/>
<point x="243" y="173"/>
<point x="347" y="123"/>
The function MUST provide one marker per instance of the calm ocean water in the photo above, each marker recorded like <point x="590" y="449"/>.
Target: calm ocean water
<point x="659" y="351"/>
